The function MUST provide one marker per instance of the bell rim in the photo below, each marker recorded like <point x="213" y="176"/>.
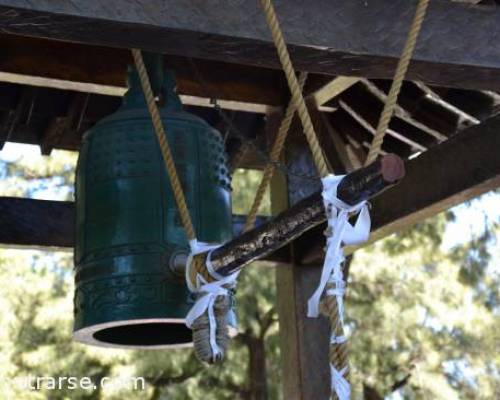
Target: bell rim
<point x="86" y="334"/>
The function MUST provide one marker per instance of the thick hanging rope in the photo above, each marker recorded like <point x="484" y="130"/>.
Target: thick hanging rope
<point x="208" y="316"/>
<point x="338" y="212"/>
<point x="295" y="89"/>
<point x="274" y="157"/>
<point x="330" y="304"/>
<point x="339" y="383"/>
<point x="397" y="82"/>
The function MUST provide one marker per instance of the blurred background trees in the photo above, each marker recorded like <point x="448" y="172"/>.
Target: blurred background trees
<point x="423" y="318"/>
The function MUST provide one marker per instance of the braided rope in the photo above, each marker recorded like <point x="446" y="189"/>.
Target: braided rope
<point x="329" y="307"/>
<point x="397" y="82"/>
<point x="274" y="157"/>
<point x="294" y="86"/>
<point x="338" y="351"/>
<point x="164" y="146"/>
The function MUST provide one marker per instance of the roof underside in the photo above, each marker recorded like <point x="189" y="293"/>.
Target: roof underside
<point x="39" y="103"/>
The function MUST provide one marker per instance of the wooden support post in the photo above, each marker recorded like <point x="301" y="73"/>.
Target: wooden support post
<point x="303" y="340"/>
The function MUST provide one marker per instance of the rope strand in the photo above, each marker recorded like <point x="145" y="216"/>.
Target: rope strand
<point x="397" y="82"/>
<point x="338" y="350"/>
<point x="294" y="86"/>
<point x="274" y="157"/>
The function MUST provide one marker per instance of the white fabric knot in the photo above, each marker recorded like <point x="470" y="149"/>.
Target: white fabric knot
<point x="210" y="291"/>
<point x="337" y="339"/>
<point x="343" y="233"/>
<point x="339" y="383"/>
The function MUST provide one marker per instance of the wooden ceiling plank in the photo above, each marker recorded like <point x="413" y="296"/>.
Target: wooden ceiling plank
<point x="347" y="47"/>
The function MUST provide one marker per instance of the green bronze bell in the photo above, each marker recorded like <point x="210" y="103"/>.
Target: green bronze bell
<point x="131" y="248"/>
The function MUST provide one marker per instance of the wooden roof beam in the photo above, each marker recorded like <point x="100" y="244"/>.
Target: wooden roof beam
<point x="457" y="170"/>
<point x="347" y="47"/>
<point x="478" y="104"/>
<point x="119" y="91"/>
<point x="330" y="91"/>
<point x="102" y="70"/>
<point x="361" y="138"/>
<point x="45" y="63"/>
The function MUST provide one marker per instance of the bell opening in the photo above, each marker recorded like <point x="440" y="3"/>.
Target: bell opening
<point x="137" y="334"/>
<point x="152" y="334"/>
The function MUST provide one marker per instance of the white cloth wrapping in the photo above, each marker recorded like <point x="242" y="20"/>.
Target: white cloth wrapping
<point x="342" y="387"/>
<point x="343" y="233"/>
<point x="210" y="290"/>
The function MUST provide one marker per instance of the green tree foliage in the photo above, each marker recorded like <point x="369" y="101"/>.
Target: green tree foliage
<point x="36" y="311"/>
<point x="423" y="322"/>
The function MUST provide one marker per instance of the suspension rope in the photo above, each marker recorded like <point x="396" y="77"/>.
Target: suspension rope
<point x="334" y="286"/>
<point x="297" y="98"/>
<point x="397" y="82"/>
<point x="273" y="157"/>
<point x="159" y="130"/>
<point x="338" y="356"/>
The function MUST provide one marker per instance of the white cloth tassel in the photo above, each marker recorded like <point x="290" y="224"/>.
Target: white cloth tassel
<point x="343" y="233"/>
<point x="337" y="339"/>
<point x="210" y="292"/>
<point x="339" y="383"/>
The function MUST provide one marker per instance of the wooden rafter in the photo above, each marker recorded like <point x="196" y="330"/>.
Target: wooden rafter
<point x="355" y="133"/>
<point x="401" y="113"/>
<point x="434" y="97"/>
<point x="371" y="127"/>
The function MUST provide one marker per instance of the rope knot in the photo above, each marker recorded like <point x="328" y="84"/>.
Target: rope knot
<point x="208" y="318"/>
